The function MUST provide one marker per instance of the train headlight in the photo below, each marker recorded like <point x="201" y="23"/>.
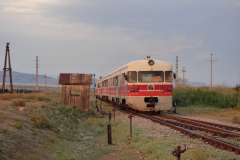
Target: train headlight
<point x="134" y="89"/>
<point x="151" y="62"/>
<point x="169" y="88"/>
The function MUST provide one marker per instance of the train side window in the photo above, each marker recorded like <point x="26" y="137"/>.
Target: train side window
<point x="168" y="76"/>
<point x="132" y="77"/>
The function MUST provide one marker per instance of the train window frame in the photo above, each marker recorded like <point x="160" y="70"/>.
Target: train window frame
<point x="170" y="76"/>
<point x="162" y="77"/>
<point x="130" y="78"/>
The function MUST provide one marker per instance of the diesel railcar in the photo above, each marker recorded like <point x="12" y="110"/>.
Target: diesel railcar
<point x="144" y="85"/>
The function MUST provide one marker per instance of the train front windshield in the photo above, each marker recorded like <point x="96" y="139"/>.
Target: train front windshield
<point x="150" y="76"/>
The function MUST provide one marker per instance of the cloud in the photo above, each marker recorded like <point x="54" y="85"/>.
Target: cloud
<point x="238" y="4"/>
<point x="20" y="10"/>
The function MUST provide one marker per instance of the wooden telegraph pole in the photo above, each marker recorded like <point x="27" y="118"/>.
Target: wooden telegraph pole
<point x="211" y="71"/>
<point x="183" y="75"/>
<point x="7" y="54"/>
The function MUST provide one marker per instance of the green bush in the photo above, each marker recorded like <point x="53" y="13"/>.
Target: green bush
<point x="40" y="122"/>
<point x="17" y="125"/>
<point x="18" y="103"/>
<point x="191" y="96"/>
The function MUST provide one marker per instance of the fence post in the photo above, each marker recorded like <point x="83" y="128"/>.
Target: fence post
<point x="109" y="133"/>
<point x="130" y="116"/>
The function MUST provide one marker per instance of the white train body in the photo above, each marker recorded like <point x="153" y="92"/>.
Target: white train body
<point x="144" y="85"/>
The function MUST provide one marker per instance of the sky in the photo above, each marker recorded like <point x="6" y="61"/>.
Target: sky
<point x="92" y="36"/>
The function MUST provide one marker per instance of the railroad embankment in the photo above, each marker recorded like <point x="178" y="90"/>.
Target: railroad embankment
<point x="37" y="126"/>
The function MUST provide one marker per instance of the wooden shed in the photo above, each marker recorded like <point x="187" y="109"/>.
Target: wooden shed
<point x="75" y="89"/>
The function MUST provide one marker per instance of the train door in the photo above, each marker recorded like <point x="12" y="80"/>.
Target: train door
<point x="120" y="86"/>
<point x="116" y="89"/>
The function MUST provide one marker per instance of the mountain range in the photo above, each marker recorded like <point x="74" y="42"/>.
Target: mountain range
<point x="26" y="78"/>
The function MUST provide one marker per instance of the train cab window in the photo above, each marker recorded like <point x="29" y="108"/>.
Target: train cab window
<point x="168" y="76"/>
<point x="132" y="77"/>
<point x="150" y="76"/>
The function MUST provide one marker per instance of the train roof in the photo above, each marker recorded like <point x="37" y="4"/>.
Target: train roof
<point x="133" y="62"/>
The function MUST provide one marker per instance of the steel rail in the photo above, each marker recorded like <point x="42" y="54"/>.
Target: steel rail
<point x="211" y="140"/>
<point x="215" y="124"/>
<point x="186" y="120"/>
<point x="193" y="127"/>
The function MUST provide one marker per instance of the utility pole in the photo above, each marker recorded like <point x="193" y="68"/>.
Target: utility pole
<point x="36" y="73"/>
<point x="7" y="54"/>
<point x="176" y="71"/>
<point x="45" y="82"/>
<point x="211" y="71"/>
<point x="183" y="74"/>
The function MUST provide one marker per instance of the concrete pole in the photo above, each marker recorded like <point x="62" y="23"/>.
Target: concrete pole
<point x="211" y="71"/>
<point x="36" y="73"/>
<point x="176" y="70"/>
<point x="45" y="82"/>
<point x="183" y="75"/>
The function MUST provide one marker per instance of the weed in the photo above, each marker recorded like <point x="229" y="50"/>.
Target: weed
<point x="236" y="120"/>
<point x="1" y="152"/>
<point x="51" y="140"/>
<point x="44" y="99"/>
<point x="18" y="103"/>
<point x="17" y="125"/>
<point x="40" y="122"/>
<point x="6" y="97"/>
<point x="4" y="131"/>
<point x="33" y="132"/>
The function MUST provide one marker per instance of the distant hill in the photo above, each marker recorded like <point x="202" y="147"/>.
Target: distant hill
<point x="26" y="78"/>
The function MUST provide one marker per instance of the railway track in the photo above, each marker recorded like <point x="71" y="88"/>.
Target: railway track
<point x="186" y="126"/>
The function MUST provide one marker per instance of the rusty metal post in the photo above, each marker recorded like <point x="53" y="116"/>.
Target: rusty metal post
<point x="110" y="116"/>
<point x="109" y="133"/>
<point x="97" y="107"/>
<point x="114" y="114"/>
<point x="177" y="152"/>
<point x="130" y="116"/>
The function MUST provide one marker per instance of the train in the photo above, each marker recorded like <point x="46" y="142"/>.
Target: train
<point x="143" y="85"/>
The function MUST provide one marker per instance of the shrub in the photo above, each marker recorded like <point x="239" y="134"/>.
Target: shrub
<point x="18" y="103"/>
<point x="40" y="122"/>
<point x="5" y="97"/>
<point x="195" y="96"/>
<point x="1" y="152"/>
<point x="236" y="120"/>
<point x="44" y="99"/>
<point x="17" y="125"/>
<point x="4" y="131"/>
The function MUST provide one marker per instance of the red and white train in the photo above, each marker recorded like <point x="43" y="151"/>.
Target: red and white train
<point x="144" y="85"/>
